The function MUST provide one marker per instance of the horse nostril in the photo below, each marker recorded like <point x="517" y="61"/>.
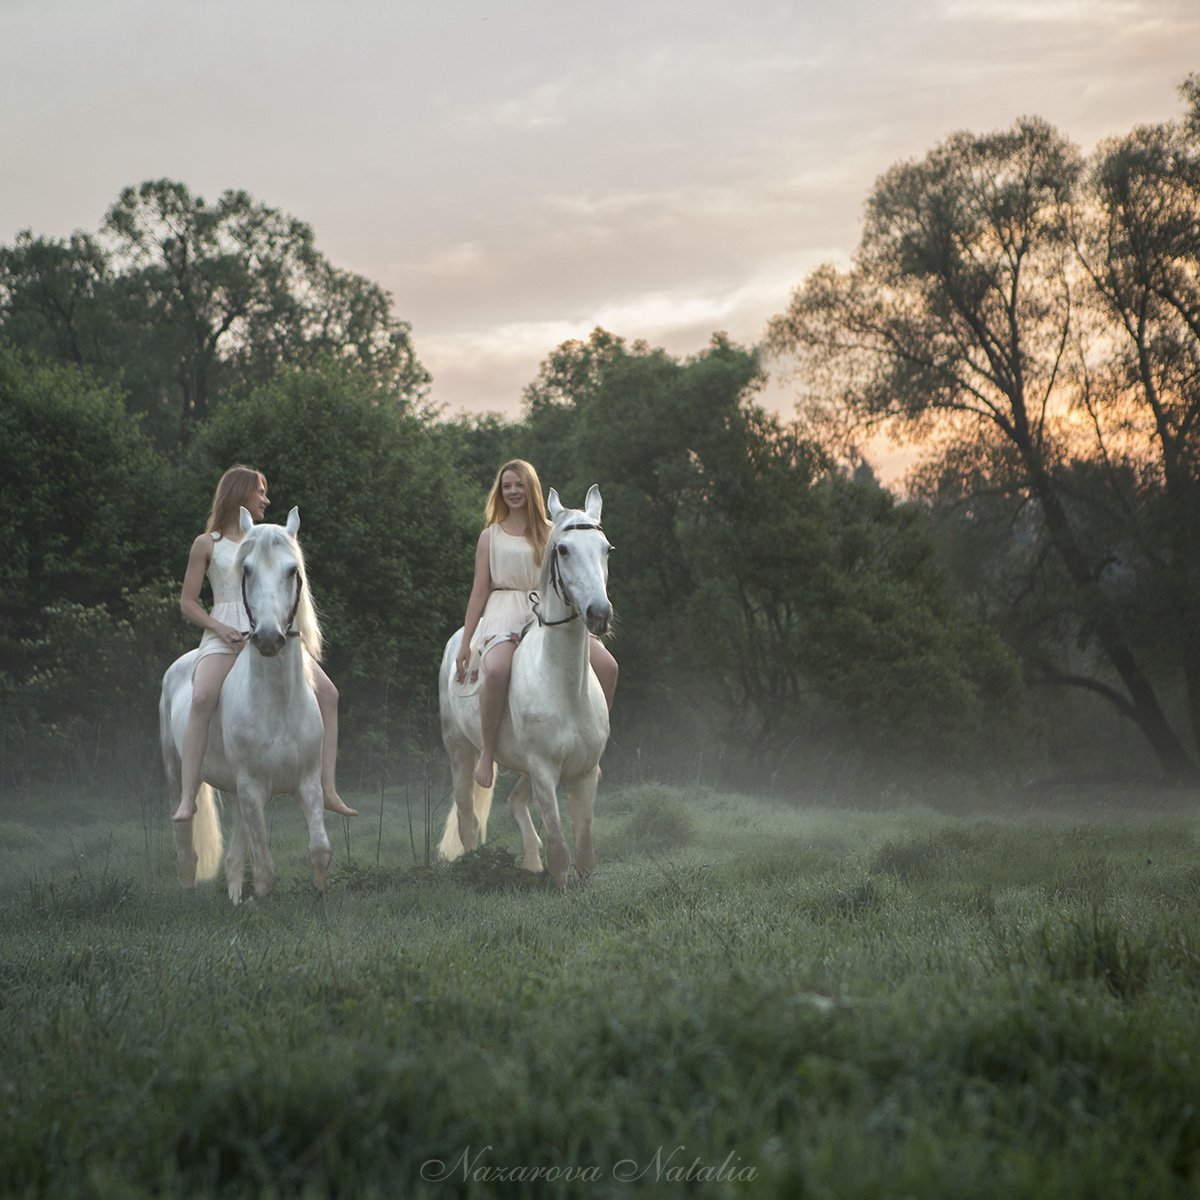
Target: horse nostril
<point x="268" y="642"/>
<point x="599" y="615"/>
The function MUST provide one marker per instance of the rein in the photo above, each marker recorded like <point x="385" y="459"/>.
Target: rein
<point x="556" y="582"/>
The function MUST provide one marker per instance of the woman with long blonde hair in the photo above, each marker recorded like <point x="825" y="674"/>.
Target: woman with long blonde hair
<point x="213" y="554"/>
<point x="508" y="559"/>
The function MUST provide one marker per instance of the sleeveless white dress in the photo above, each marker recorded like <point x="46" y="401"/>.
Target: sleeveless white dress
<point x="227" y="596"/>
<point x="509" y="609"/>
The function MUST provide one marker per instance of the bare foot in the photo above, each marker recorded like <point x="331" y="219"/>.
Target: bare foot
<point x="484" y="772"/>
<point x="186" y="810"/>
<point x="335" y="804"/>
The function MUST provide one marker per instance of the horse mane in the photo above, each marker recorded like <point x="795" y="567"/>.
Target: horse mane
<point x="307" y="624"/>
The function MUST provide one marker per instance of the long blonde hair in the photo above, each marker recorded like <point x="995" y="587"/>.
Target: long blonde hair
<point x="537" y="523"/>
<point x="234" y="489"/>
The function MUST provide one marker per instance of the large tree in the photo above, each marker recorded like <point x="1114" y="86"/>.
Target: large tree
<point x="957" y="319"/>
<point x="186" y="302"/>
<point x="1137" y="232"/>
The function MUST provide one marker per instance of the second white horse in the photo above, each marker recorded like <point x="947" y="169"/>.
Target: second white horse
<point x="555" y="725"/>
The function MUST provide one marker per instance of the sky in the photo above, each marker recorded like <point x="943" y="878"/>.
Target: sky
<point x="518" y="172"/>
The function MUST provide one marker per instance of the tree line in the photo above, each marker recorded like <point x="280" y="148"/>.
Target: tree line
<point x="1032" y="316"/>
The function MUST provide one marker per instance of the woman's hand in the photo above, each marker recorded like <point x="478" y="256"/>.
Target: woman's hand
<point x="230" y="636"/>
<point x="460" y="663"/>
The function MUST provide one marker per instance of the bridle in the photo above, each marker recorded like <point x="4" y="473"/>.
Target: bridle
<point x="556" y="581"/>
<point x="290" y="632"/>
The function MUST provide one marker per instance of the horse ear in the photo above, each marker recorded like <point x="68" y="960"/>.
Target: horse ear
<point x="293" y="522"/>
<point x="245" y="520"/>
<point x="593" y="504"/>
<point x="553" y="504"/>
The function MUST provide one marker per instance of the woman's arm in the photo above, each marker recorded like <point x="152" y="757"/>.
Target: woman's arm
<point x="480" y="590"/>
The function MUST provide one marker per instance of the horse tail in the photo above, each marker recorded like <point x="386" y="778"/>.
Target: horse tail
<point x="206" y="835"/>
<point x="451" y="847"/>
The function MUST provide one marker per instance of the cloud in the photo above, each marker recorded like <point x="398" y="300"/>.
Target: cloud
<point x="1043" y="12"/>
<point x="540" y="109"/>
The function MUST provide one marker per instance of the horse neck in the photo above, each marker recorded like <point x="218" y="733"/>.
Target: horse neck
<point x="281" y="674"/>
<point x="564" y="647"/>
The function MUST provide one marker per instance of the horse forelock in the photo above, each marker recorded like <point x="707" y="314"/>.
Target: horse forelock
<point x="270" y="538"/>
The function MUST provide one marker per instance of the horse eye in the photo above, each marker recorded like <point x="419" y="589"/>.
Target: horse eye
<point x="563" y="551"/>
<point x="246" y="569"/>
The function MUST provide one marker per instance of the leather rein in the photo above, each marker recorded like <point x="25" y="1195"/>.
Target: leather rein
<point x="557" y="584"/>
<point x="291" y="616"/>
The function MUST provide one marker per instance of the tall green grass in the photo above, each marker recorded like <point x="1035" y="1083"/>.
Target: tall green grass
<point x="749" y="998"/>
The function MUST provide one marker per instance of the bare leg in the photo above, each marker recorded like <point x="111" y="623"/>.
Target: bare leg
<point x="206" y="688"/>
<point x="605" y="667"/>
<point x="492" y="697"/>
<point x="327" y="702"/>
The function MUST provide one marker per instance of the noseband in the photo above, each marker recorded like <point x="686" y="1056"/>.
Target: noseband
<point x="557" y="584"/>
<point x="291" y="616"/>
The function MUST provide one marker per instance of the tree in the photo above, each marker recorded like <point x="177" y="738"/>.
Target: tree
<point x="185" y="303"/>
<point x="957" y="318"/>
<point x="89" y="515"/>
<point x="55" y="298"/>
<point x="1138" y="238"/>
<point x="764" y="602"/>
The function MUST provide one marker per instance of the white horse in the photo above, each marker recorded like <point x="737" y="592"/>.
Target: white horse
<point x="265" y="735"/>
<point x="555" y="725"/>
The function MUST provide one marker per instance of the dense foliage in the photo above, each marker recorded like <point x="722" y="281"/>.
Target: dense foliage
<point x="1027" y="313"/>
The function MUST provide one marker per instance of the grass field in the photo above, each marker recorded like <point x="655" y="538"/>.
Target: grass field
<point x="750" y="998"/>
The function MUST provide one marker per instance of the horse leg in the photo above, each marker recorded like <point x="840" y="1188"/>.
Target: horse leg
<point x="531" y="844"/>
<point x="583" y="798"/>
<point x="185" y="855"/>
<point x="320" y="852"/>
<point x="252" y="803"/>
<point x="558" y="857"/>
<point x="235" y="856"/>
<point x="462" y="826"/>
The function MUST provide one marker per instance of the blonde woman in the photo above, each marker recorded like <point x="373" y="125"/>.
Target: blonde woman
<point x="508" y="559"/>
<point x="214" y="555"/>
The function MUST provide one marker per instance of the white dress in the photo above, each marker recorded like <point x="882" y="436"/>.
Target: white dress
<point x="508" y="609"/>
<point x="227" y="596"/>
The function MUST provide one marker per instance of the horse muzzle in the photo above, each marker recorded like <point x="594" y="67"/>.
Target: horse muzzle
<point x="598" y="618"/>
<point x="268" y="642"/>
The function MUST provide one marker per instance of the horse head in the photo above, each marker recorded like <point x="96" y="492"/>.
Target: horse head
<point x="272" y="572"/>
<point x="575" y="565"/>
